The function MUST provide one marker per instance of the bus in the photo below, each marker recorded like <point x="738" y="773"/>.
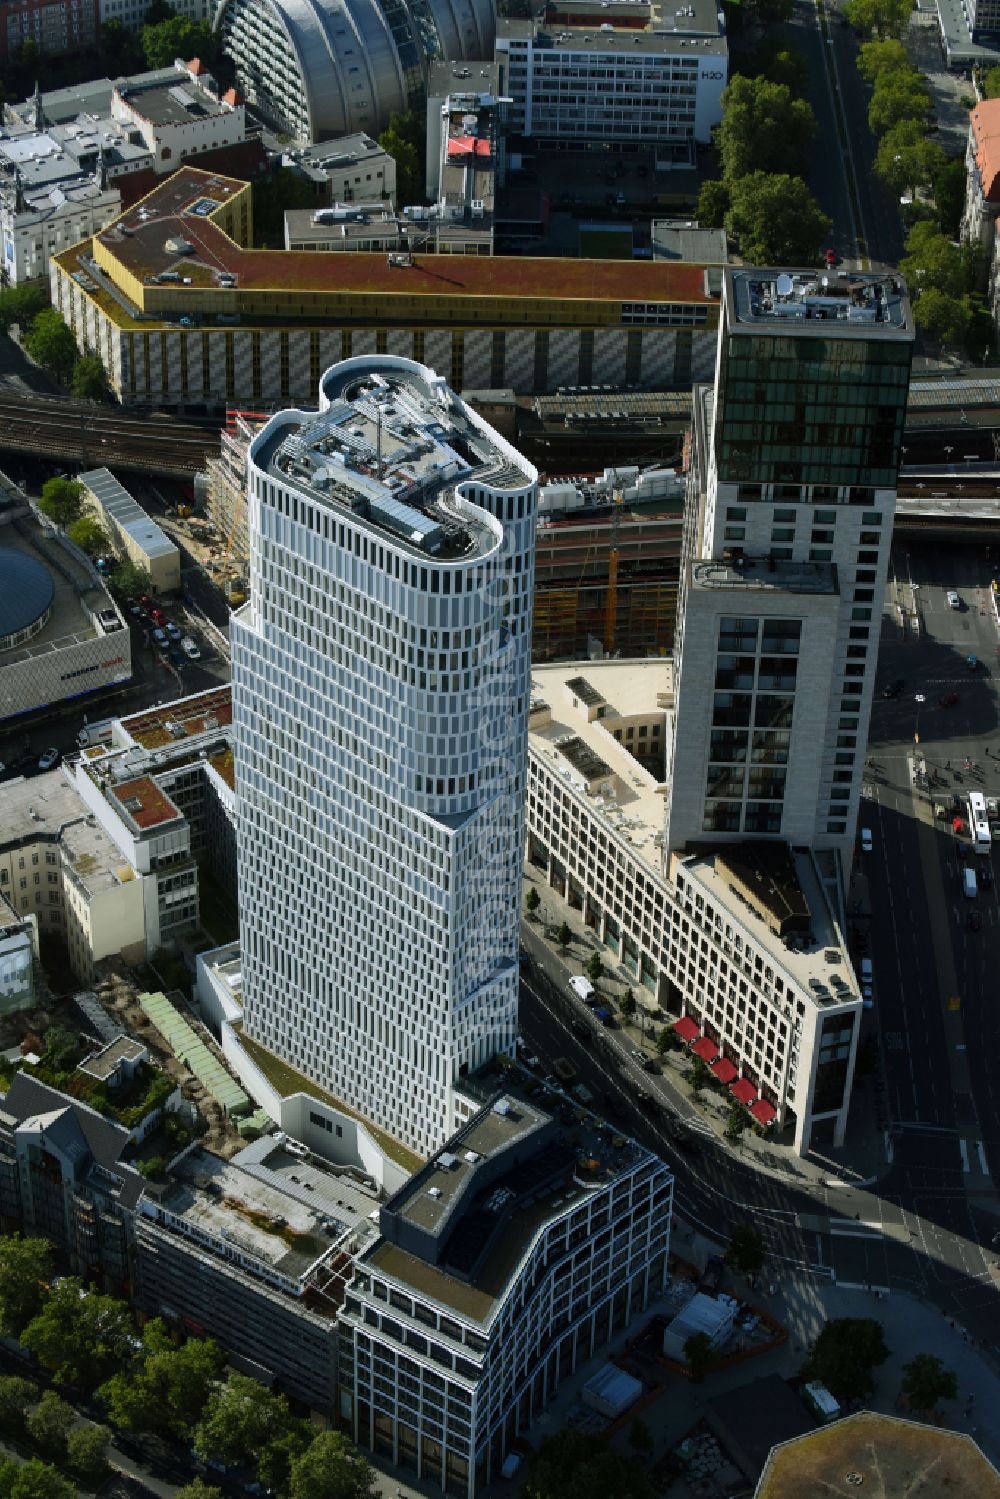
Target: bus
<point x="979" y="823"/>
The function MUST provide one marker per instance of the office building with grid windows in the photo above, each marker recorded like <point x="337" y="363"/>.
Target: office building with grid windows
<point x="381" y="676"/>
<point x="787" y="533"/>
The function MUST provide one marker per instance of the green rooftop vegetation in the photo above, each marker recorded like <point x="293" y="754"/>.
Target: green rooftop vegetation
<point x="59" y="1057"/>
<point x="286" y="1081"/>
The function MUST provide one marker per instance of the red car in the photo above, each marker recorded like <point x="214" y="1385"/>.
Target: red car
<point x="831" y="257"/>
<point x="949" y="700"/>
<point x="157" y="616"/>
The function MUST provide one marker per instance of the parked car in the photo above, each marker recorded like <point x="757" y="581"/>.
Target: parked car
<point x="172" y="630"/>
<point x="949" y="700"/>
<point x="160" y="637"/>
<point x="954" y="602"/>
<point x="191" y="649"/>
<point x="157" y="616"/>
<point x="831" y="257"/>
<point x="866" y="840"/>
<point x="48" y="759"/>
<point x="893" y="688"/>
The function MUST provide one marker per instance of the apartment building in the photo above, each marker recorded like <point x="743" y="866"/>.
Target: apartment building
<point x="746" y="943"/>
<point x="380" y="698"/>
<point x="62" y="1176"/>
<point x="255" y="1252"/>
<point x="183" y="312"/>
<point x="622" y="74"/>
<point x="56" y="27"/>
<point x="18" y="956"/>
<point x="518" y="1251"/>
<point x="788" y="528"/>
<point x="982" y="195"/>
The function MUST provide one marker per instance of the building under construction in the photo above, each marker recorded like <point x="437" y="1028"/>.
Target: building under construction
<point x="606" y="560"/>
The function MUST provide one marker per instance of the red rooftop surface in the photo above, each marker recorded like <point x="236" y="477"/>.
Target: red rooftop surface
<point x="144" y="803"/>
<point x="172" y="723"/>
<point x="177" y="210"/>
<point x="985" y="122"/>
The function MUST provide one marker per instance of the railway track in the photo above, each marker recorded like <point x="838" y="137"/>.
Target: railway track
<point x="95" y="438"/>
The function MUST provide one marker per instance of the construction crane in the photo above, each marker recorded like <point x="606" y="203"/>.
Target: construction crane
<point x="611" y="601"/>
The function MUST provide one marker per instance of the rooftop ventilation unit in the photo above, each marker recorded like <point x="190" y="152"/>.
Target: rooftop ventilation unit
<point x="502" y="1107"/>
<point x="447" y="1160"/>
<point x="434" y="1192"/>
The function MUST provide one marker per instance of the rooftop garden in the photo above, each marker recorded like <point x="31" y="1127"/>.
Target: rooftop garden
<point x="59" y="1057"/>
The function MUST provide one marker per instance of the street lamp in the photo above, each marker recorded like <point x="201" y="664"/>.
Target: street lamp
<point x="920" y="699"/>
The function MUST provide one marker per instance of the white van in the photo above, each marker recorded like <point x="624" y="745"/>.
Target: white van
<point x="581" y="987"/>
<point x="970" y="888"/>
<point x="866" y="970"/>
<point x="190" y="648"/>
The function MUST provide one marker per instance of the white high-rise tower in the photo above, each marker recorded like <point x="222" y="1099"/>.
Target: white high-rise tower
<point x="381" y="679"/>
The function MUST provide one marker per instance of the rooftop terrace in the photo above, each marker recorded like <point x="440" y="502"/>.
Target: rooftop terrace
<point x="861" y="304"/>
<point x="391" y="447"/>
<point x="768" y="573"/>
<point x="143" y="803"/>
<point x="182" y="720"/>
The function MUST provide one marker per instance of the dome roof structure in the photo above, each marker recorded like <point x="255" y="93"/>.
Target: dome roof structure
<point x="26" y="592"/>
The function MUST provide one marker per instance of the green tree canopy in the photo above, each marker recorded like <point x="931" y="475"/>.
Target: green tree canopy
<point x="19" y="304"/>
<point x="845" y="1354"/>
<point x="944" y="318"/>
<point x="746" y="1249"/>
<point x="906" y="159"/>
<point x="532" y="900"/>
<point x="274" y="1465"/>
<point x="177" y="37"/>
<point x="121" y="49"/>
<point x="34" y="1480"/>
<point x="330" y="1468"/>
<point x="764" y="128"/>
<point x="198" y="1489"/>
<point x="898" y="96"/>
<point x="87" y="1450"/>
<point x="564" y="936"/>
<point x="79" y="1337"/>
<point x="578" y="1465"/>
<point x="16" y="1394"/>
<point x="933" y="260"/>
<point x="89" y="534"/>
<point x="89" y="381"/>
<point x="594" y="967"/>
<point x="166" y="1388"/>
<point x="737" y="1121"/>
<point x="879" y="18"/>
<point x="876" y="58"/>
<point x="713" y="203"/>
<point x="51" y="344"/>
<point x="665" y="1040"/>
<point x="991" y="83"/>
<point x="404" y="140"/>
<point x="130" y="581"/>
<point x="49" y="1424"/>
<point x="627" y="1005"/>
<point x="240" y="1420"/>
<point x="25" y="1267"/>
<point x="948" y="183"/>
<point x="698" y="1355"/>
<point x="779" y="65"/>
<point x="776" y="220"/>
<point x="926" y="1381"/>
<point x="285" y="188"/>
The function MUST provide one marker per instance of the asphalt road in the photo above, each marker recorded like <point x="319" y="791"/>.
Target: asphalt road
<point x="826" y="176"/>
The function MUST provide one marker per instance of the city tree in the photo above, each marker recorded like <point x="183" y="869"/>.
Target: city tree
<point x="879" y="18"/>
<point x="166" y="1388"/>
<point x="25" y="1267"/>
<point x="945" y="319"/>
<point x="745" y="1251"/>
<point x="580" y="1465"/>
<point x="89" y="380"/>
<point x="89" y="535"/>
<point x="564" y="936"/>
<point x="16" y="1394"/>
<point x="906" y="158"/>
<point x="49" y="1423"/>
<point x="876" y="58"/>
<point x="51" y="344"/>
<point x="33" y="1480"/>
<point x="776" y="220"/>
<point x="87" y="1450"/>
<point x="79" y="1335"/>
<point x="19" y="304"/>
<point x="926" y="1381"/>
<point x="198" y="1489"/>
<point x="532" y="901"/>
<point x="698" y="1075"/>
<point x="698" y="1355"/>
<point x="177" y="37"/>
<point x="129" y="580"/>
<point x="897" y="97"/>
<point x="331" y="1468"/>
<point x="627" y="1005"/>
<point x="666" y="1041"/>
<point x="62" y="501"/>
<point x="991" y="83"/>
<point x="764" y="128"/>
<point x="403" y="139"/>
<point x="594" y="967"/>
<point x="736" y="1122"/>
<point x="845" y="1354"/>
<point x="713" y="203"/>
<point x="240" y="1420"/>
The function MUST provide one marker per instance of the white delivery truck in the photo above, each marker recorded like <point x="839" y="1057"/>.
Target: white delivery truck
<point x="581" y="987"/>
<point x="969" y="885"/>
<point x="101" y="732"/>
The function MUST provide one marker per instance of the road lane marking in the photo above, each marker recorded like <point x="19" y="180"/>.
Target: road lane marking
<point x="964" y="1149"/>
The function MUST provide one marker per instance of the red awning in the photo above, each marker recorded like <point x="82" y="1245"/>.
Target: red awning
<point x="724" y="1070"/>
<point x="763" y="1111"/>
<point x="686" y="1028"/>
<point x="705" y="1049"/>
<point x="743" y="1091"/>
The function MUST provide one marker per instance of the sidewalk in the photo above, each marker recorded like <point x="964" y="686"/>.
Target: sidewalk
<point x="862" y="1160"/>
